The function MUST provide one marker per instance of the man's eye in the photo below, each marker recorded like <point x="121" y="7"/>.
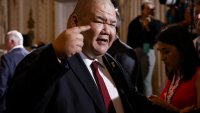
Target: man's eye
<point x="96" y="21"/>
<point x="113" y="25"/>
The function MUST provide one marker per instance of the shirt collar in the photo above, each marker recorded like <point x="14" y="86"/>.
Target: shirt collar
<point x="89" y="61"/>
<point x="18" y="46"/>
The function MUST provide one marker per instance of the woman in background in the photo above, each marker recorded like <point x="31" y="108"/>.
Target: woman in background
<point x="182" y="69"/>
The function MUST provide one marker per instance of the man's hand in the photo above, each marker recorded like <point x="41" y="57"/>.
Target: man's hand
<point x="70" y="42"/>
<point x="157" y="100"/>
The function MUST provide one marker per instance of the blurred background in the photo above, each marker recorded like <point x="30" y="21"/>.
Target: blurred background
<point x="40" y="21"/>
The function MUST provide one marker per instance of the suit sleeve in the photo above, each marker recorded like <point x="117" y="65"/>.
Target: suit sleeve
<point x="4" y="76"/>
<point x="195" y="111"/>
<point x="33" y="82"/>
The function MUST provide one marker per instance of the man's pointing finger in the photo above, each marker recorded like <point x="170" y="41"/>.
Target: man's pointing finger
<point x="83" y="28"/>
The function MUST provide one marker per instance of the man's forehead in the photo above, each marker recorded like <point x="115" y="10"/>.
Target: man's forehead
<point x="95" y="7"/>
<point x="105" y="9"/>
<point x="94" y="2"/>
<point x="105" y="5"/>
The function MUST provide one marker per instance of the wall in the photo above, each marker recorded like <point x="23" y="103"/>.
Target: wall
<point x="63" y="10"/>
<point x="3" y="20"/>
<point x="49" y="17"/>
<point x="40" y="11"/>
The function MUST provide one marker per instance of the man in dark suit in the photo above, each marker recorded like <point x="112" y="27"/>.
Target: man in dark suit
<point x="15" y="53"/>
<point x="57" y="78"/>
<point x="126" y="55"/>
<point x="127" y="58"/>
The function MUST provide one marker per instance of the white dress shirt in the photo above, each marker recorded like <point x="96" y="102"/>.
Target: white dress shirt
<point x="112" y="90"/>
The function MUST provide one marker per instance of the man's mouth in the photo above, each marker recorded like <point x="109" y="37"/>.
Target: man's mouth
<point x="102" y="41"/>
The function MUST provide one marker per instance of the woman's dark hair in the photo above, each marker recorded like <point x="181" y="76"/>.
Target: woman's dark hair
<point x="180" y="38"/>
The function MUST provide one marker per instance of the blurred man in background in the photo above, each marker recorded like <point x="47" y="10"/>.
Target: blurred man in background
<point x="15" y="52"/>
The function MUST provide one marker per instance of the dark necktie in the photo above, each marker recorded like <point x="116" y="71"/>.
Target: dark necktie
<point x="102" y="88"/>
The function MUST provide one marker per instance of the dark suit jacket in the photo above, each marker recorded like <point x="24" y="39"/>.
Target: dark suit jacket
<point x="195" y="111"/>
<point x="42" y="85"/>
<point x="127" y="57"/>
<point x="8" y="64"/>
<point x="137" y="35"/>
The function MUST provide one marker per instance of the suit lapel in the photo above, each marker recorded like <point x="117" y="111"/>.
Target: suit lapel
<point x="116" y="72"/>
<point x="120" y="80"/>
<point x="77" y="65"/>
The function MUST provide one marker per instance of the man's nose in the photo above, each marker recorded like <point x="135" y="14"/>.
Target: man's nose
<point x="106" y="29"/>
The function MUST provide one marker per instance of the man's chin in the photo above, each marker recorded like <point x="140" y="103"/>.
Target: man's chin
<point x="100" y="53"/>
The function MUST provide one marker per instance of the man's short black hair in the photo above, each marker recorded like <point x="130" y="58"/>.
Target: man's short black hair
<point x="115" y="3"/>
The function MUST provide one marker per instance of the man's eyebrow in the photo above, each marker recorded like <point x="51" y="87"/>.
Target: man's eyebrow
<point x="113" y="21"/>
<point x="101" y="18"/>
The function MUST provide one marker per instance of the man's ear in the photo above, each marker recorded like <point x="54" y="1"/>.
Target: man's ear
<point x="74" y="20"/>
